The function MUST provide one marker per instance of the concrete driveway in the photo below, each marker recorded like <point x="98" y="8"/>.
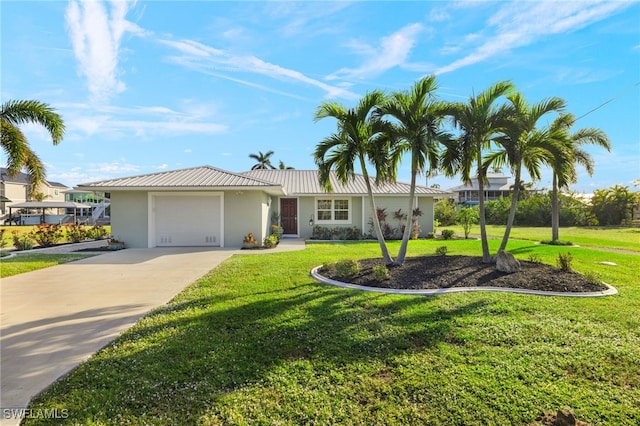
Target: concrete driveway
<point x="55" y="318"/>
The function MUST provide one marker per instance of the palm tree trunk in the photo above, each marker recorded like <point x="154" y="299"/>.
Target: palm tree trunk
<point x="388" y="260"/>
<point x="407" y="229"/>
<point x="555" y="210"/>
<point x="486" y="256"/>
<point x="512" y="211"/>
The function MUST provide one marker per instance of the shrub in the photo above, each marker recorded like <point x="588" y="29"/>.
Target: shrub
<point x="467" y="217"/>
<point x="534" y="258"/>
<point x="380" y="273"/>
<point x="75" y="233"/>
<point x="445" y="212"/>
<point x="442" y="251"/>
<point x="337" y="233"/>
<point x="22" y="241"/>
<point x="447" y="234"/>
<point x="96" y="232"/>
<point x="3" y="242"/>
<point x="430" y="235"/>
<point x="592" y="278"/>
<point x="556" y="242"/>
<point x="347" y="267"/>
<point x="565" y="262"/>
<point x="270" y="241"/>
<point x="47" y="235"/>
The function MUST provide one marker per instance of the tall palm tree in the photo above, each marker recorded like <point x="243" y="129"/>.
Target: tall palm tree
<point x="416" y="127"/>
<point x="358" y="140"/>
<point x="523" y="145"/>
<point x="479" y="121"/>
<point x="263" y="160"/>
<point x="14" y="142"/>
<point x="564" y="173"/>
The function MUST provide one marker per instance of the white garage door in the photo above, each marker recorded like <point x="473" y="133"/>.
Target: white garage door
<point x="187" y="220"/>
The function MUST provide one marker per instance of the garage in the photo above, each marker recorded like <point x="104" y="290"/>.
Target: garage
<point x="187" y="220"/>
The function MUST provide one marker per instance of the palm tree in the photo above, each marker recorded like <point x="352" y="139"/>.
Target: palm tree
<point x="358" y="140"/>
<point x="417" y="118"/>
<point x="479" y="121"/>
<point x="523" y="145"/>
<point x="15" y="144"/>
<point x="281" y="166"/>
<point x="565" y="174"/>
<point x="263" y="160"/>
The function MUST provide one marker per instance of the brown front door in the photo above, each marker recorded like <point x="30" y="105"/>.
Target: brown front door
<point x="289" y="215"/>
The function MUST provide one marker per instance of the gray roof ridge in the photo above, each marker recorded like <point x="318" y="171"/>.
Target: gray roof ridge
<point x="165" y="172"/>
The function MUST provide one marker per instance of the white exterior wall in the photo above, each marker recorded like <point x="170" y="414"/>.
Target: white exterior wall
<point x="129" y="218"/>
<point x="244" y="212"/>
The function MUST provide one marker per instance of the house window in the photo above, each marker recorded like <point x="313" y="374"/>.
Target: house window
<point x="333" y="210"/>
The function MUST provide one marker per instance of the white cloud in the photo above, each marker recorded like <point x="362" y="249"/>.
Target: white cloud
<point x="141" y="121"/>
<point x="202" y="58"/>
<point x="518" y="24"/>
<point x="392" y="52"/>
<point x="96" y="33"/>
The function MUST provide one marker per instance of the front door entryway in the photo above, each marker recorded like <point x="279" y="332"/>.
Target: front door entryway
<point x="289" y="215"/>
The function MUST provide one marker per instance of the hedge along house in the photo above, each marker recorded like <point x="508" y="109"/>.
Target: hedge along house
<point x="207" y="206"/>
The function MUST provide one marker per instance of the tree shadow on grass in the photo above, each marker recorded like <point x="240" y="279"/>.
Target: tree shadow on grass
<point x="178" y="360"/>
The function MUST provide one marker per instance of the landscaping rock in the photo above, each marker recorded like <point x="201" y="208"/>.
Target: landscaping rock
<point x="506" y="262"/>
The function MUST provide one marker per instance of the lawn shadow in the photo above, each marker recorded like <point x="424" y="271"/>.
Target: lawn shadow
<point x="222" y="344"/>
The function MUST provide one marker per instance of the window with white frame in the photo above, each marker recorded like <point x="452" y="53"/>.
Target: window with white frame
<point x="333" y="210"/>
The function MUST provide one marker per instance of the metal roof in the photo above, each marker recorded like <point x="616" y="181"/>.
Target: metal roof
<point x="306" y="182"/>
<point x="204" y="177"/>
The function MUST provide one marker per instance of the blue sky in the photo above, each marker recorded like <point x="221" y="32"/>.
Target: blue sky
<point x="159" y="85"/>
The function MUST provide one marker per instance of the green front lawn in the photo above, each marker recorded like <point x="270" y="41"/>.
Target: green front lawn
<point x="257" y="341"/>
<point x="30" y="262"/>
<point x="627" y="238"/>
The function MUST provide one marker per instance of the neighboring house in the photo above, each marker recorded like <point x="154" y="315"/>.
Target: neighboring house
<point x="498" y="186"/>
<point x="100" y="205"/>
<point x="16" y="189"/>
<point x="207" y="206"/>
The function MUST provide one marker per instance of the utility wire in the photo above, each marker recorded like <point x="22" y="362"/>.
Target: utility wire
<point x="633" y="86"/>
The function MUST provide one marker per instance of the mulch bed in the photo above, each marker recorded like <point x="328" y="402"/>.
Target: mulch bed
<point x="433" y="272"/>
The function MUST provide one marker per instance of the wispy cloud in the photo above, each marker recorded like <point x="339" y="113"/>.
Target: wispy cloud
<point x="140" y="121"/>
<point x="96" y="30"/>
<point x="518" y="24"/>
<point x="393" y="51"/>
<point x="203" y="58"/>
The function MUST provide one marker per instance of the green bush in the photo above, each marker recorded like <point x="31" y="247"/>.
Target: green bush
<point x="3" y="242"/>
<point x="447" y="234"/>
<point x="96" y="232"/>
<point x="593" y="278"/>
<point x="534" y="258"/>
<point x="337" y="233"/>
<point x="75" y="233"/>
<point x="380" y="273"/>
<point x="442" y="251"/>
<point x="556" y="242"/>
<point x="445" y="212"/>
<point x="47" y="235"/>
<point x="22" y="241"/>
<point x="347" y="267"/>
<point x="271" y="241"/>
<point x="565" y="262"/>
<point x="468" y="217"/>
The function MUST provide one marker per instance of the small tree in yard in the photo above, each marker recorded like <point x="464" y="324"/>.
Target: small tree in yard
<point x="467" y="217"/>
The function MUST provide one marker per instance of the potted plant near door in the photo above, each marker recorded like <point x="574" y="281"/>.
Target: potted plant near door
<point x="276" y="228"/>
<point x="114" y="244"/>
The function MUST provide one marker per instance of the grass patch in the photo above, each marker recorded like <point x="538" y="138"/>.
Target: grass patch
<point x="257" y="341"/>
<point x="621" y="238"/>
<point x="30" y="262"/>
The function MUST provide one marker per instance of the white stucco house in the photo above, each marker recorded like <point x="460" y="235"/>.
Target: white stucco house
<point x="208" y="206"/>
